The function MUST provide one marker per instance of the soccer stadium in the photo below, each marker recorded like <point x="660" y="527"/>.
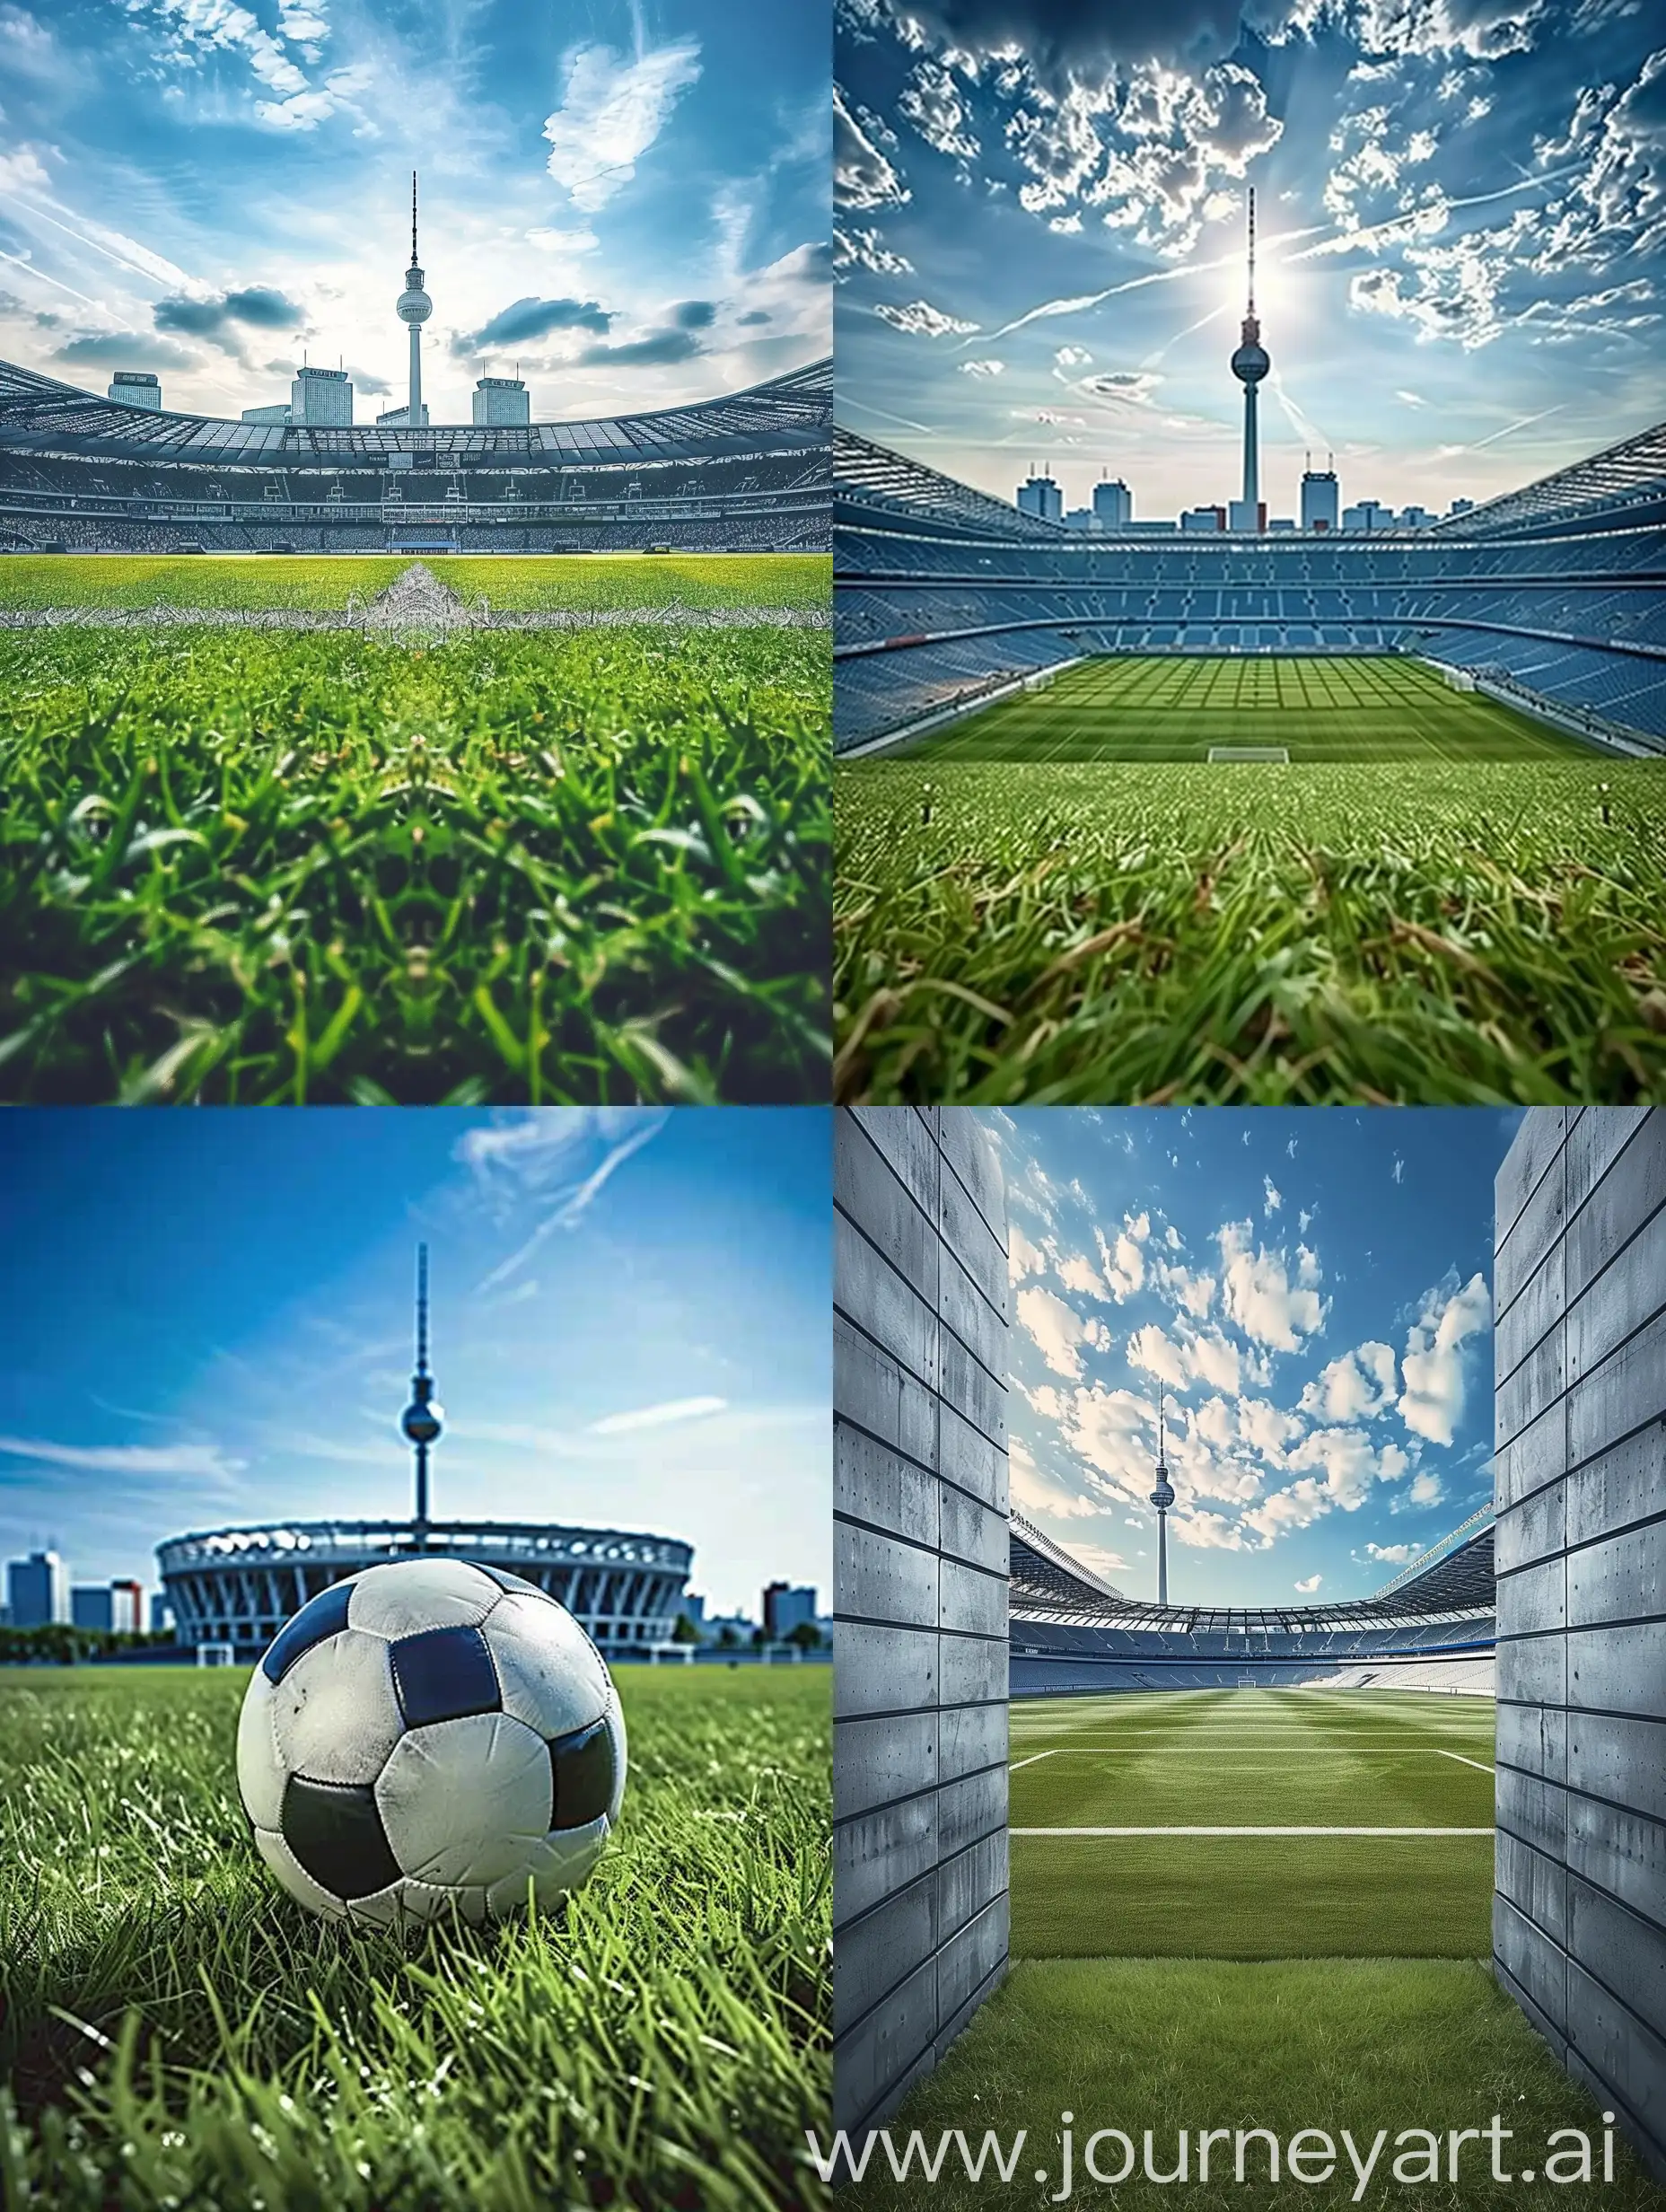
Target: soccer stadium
<point x="748" y="473"/>
<point x="1548" y="602"/>
<point x="1250" y="817"/>
<point x="234" y="1588"/>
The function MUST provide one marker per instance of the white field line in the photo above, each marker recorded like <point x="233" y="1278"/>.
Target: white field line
<point x="1251" y="1832"/>
<point x="1462" y="1762"/>
<point x="1030" y="1761"/>
<point x="1257" y="1751"/>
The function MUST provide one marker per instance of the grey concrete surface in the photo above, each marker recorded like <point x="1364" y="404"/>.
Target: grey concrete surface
<point x="1579" y="1920"/>
<point x="919" y="1594"/>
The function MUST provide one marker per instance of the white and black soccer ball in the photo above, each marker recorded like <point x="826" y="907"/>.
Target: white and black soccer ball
<point x="430" y="1736"/>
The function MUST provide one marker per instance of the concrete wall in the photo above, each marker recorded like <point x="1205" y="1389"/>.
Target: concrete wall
<point x="1580" y="1288"/>
<point x="920" y="1588"/>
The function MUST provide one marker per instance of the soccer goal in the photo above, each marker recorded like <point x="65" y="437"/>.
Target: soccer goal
<point x="1279" y="755"/>
<point x="1247" y="1681"/>
<point x="215" y="1655"/>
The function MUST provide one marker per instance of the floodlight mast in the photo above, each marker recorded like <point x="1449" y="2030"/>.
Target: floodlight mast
<point x="421" y="1419"/>
<point x="1162" y="1497"/>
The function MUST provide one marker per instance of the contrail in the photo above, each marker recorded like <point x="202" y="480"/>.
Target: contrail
<point x="23" y="261"/>
<point x="1341" y="241"/>
<point x="845" y="399"/>
<point x="1508" y="427"/>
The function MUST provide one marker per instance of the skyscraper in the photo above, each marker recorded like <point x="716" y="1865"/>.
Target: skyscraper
<point x="1113" y="504"/>
<point x="1039" y="495"/>
<point x="501" y="399"/>
<point x="1320" y="499"/>
<point x="38" y="1590"/>
<point x="323" y="396"/>
<point x="1250" y="363"/>
<point x="136" y="388"/>
<point x="414" y="309"/>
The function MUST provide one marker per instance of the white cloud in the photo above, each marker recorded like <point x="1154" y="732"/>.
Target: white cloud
<point x="1124" y="1262"/>
<point x="657" y="1417"/>
<point x="1023" y="1257"/>
<point x="188" y="1462"/>
<point x="613" y="108"/>
<point x="856" y="247"/>
<point x="555" y="1165"/>
<point x="1431" y="1403"/>
<point x="1308" y="1587"/>
<point x="1426" y="1488"/>
<point x="983" y="368"/>
<point x="1038" y="1493"/>
<point x="1391" y="1555"/>
<point x="1059" y="1332"/>
<point x="1073" y="357"/>
<point x="1274" y="1198"/>
<point x="1267" y="1430"/>
<point x="1259" y="1296"/>
<point x="1360" y="1386"/>
<point x="864" y="175"/>
<point x="920" y="319"/>
<point x="931" y="101"/>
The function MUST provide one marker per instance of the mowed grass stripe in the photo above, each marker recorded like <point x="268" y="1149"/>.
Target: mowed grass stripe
<point x="1175" y="707"/>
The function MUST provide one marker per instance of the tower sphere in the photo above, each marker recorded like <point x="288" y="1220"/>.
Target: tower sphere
<point x="421" y="1421"/>
<point x="1250" y="362"/>
<point x="413" y="304"/>
<point x="1162" y="1497"/>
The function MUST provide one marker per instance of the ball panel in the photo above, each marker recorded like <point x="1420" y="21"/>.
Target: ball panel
<point x="465" y="1800"/>
<point x="335" y="1717"/>
<point x="582" y="1768"/>
<point x="552" y="1675"/>
<point x="335" y="1830"/>
<point x="260" y="1767"/>
<point x="383" y="1908"/>
<point x="324" y="1615"/>
<point x="558" y="1863"/>
<point x="443" y="1675"/>
<point x="408" y="1595"/>
<point x="517" y="1584"/>
<point x="293" y="1877"/>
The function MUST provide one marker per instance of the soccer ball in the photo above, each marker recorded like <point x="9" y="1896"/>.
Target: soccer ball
<point x="430" y="1736"/>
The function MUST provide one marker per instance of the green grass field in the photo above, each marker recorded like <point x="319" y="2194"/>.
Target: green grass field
<point x="1063" y="900"/>
<point x="245" y="866"/>
<point x="1178" y="1981"/>
<point x="1176" y="707"/>
<point x="324" y="584"/>
<point x="175" y="2031"/>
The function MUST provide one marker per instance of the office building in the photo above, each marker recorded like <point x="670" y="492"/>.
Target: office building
<point x="501" y="399"/>
<point x="281" y="413"/>
<point x="136" y="388"/>
<point x="38" y="1590"/>
<point x="786" y="1609"/>
<point x="1113" y="504"/>
<point x="1320" y="508"/>
<point x="1039" y="495"/>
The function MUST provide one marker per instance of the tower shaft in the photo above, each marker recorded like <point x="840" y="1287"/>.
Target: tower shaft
<point x="1163" y="1557"/>
<point x="1253" y="473"/>
<point x="414" y="414"/>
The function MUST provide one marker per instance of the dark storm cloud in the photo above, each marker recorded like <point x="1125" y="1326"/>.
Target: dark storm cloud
<point x="532" y="318"/>
<point x="367" y="381"/>
<point x="757" y="314"/>
<point x="694" y="314"/>
<point x="654" y="351"/>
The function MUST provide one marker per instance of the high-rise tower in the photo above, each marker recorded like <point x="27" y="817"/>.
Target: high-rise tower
<point x="415" y="307"/>
<point x="1162" y="1497"/>
<point x="422" y="1418"/>
<point x="1250" y="363"/>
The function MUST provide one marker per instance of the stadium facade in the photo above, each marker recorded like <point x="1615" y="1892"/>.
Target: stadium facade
<point x="746" y="473"/>
<point x="1432" y="1627"/>
<point x="1552" y="598"/>
<point x="238" y="1586"/>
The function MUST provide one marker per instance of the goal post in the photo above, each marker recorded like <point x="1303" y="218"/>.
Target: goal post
<point x="1277" y="755"/>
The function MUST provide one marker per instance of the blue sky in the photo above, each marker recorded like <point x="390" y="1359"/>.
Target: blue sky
<point x="630" y="201"/>
<point x="1041" y="219"/>
<point x="208" y="1321"/>
<point x="1312" y="1290"/>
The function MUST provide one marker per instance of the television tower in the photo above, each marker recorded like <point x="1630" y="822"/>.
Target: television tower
<point x="1162" y="1497"/>
<point x="422" y="1418"/>
<point x="1250" y="363"/>
<point x="415" y="307"/>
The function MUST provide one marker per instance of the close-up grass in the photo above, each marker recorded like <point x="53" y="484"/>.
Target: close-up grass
<point x="258" y="867"/>
<point x="175" y="2031"/>
<point x="326" y="583"/>
<point x="1424" y="931"/>
<point x="1194" y="1982"/>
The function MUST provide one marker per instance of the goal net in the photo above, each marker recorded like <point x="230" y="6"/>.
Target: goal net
<point x="1278" y="754"/>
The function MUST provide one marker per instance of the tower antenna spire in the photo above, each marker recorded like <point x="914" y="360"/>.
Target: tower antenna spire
<point x="414" y="217"/>
<point x="421" y="1420"/>
<point x="1251" y="244"/>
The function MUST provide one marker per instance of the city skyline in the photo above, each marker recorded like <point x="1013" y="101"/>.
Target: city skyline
<point x="1040" y="230"/>
<point x="210" y="1320"/>
<point x="633" y="208"/>
<point x="1311" y="1296"/>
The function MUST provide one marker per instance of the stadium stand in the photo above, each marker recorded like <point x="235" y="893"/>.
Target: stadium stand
<point x="746" y="473"/>
<point x="1432" y="1627"/>
<point x="1556" y="595"/>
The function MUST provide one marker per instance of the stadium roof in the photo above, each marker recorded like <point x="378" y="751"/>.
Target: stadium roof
<point x="1453" y="1580"/>
<point x="1630" y="474"/>
<point x="40" y="416"/>
<point x="889" y="485"/>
